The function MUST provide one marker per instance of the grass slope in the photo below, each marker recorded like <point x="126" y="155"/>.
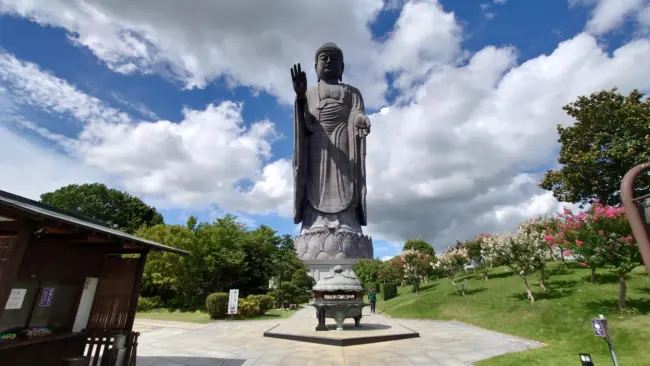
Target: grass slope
<point x="561" y="318"/>
<point x="203" y="317"/>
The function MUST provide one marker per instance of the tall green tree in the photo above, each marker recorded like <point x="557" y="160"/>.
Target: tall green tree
<point x="259" y="248"/>
<point x="368" y="270"/>
<point x="214" y="263"/>
<point x="119" y="209"/>
<point x="611" y="134"/>
<point x="420" y="245"/>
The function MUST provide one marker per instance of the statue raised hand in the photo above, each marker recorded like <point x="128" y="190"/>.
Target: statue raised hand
<point x="299" y="80"/>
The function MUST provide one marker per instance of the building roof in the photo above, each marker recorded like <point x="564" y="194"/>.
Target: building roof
<point x="42" y="210"/>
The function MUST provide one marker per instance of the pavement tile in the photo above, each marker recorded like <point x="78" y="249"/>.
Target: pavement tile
<point x="237" y="343"/>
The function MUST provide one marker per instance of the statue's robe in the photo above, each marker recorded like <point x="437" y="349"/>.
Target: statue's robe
<point x="329" y="158"/>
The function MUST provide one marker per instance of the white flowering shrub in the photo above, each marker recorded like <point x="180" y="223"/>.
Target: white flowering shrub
<point x="451" y="262"/>
<point x="524" y="252"/>
<point x="415" y="265"/>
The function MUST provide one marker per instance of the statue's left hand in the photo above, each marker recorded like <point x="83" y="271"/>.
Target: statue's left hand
<point x="362" y="125"/>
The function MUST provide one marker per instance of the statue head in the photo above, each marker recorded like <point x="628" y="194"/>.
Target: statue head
<point x="329" y="62"/>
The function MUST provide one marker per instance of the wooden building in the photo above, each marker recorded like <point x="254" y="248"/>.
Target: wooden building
<point x="68" y="283"/>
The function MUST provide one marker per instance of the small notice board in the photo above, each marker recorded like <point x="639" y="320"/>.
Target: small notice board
<point x="16" y="298"/>
<point x="233" y="299"/>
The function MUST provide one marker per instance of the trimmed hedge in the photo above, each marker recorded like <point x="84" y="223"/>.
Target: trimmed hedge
<point x="248" y="308"/>
<point x="149" y="303"/>
<point x="216" y="305"/>
<point x="389" y="291"/>
<point x="265" y="302"/>
<point x="375" y="285"/>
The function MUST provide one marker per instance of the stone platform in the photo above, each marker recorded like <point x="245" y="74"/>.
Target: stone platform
<point x="373" y="329"/>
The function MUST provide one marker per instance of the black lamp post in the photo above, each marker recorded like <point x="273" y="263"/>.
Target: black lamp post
<point x="585" y="359"/>
<point x="280" y="279"/>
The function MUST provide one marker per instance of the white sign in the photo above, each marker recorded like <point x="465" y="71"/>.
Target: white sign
<point x="16" y="298"/>
<point x="232" y="301"/>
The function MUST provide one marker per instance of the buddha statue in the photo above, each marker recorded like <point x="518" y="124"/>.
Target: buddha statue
<point x="330" y="128"/>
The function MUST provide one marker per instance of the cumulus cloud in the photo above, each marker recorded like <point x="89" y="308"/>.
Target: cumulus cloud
<point x="610" y="14"/>
<point x="458" y="154"/>
<point x="25" y="163"/>
<point x="248" y="44"/>
<point x="448" y="165"/>
<point x="208" y="157"/>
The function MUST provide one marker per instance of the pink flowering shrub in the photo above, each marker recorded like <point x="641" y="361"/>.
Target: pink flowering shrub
<point x="600" y="237"/>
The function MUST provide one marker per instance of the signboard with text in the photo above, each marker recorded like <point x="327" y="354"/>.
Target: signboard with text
<point x="16" y="298"/>
<point x="600" y="327"/>
<point x="46" y="297"/>
<point x="233" y="300"/>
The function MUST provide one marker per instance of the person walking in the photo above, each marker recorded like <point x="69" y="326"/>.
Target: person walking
<point x="373" y="300"/>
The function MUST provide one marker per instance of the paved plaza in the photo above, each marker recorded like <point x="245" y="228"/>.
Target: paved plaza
<point x="234" y="343"/>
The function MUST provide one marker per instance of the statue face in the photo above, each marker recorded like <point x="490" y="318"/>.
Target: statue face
<point x="329" y="65"/>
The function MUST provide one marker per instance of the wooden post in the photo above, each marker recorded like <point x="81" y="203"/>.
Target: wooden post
<point x="12" y="249"/>
<point x="137" y="281"/>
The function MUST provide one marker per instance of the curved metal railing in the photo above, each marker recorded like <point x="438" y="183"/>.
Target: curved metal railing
<point x="633" y="211"/>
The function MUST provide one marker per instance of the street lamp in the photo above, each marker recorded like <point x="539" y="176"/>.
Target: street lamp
<point x="280" y="279"/>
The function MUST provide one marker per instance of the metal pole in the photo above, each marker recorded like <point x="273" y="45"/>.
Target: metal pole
<point x="639" y="227"/>
<point x="611" y="350"/>
<point x="280" y="279"/>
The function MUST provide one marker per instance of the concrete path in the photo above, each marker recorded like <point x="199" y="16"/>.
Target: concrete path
<point x="231" y="343"/>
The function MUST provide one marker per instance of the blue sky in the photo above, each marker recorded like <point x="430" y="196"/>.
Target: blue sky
<point x="458" y="59"/>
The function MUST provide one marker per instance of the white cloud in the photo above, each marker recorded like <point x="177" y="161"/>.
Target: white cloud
<point x="445" y="163"/>
<point x="610" y="14"/>
<point x="246" y="43"/>
<point x="193" y="163"/>
<point x="424" y="37"/>
<point x="25" y="164"/>
<point x="447" y="166"/>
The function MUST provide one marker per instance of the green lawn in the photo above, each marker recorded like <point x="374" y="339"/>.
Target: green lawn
<point x="203" y="317"/>
<point x="561" y="318"/>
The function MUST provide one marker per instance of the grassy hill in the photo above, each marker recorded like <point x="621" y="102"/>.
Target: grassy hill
<point x="561" y="318"/>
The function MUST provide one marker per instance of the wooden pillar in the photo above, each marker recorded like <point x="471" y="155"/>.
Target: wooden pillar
<point x="135" y="293"/>
<point x="12" y="249"/>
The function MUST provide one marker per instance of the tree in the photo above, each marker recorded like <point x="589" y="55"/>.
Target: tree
<point x="420" y="245"/>
<point x="214" y="264"/>
<point x="524" y="252"/>
<point x="116" y="208"/>
<point x="293" y="283"/>
<point x="258" y="247"/>
<point x="610" y="135"/>
<point x="392" y="271"/>
<point x="368" y="270"/>
<point x="451" y="262"/>
<point x="416" y="265"/>
<point x="602" y="237"/>
<point x="473" y="248"/>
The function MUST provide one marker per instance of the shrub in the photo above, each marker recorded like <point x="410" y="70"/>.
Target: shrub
<point x="375" y="285"/>
<point x="301" y="299"/>
<point x="149" y="303"/>
<point x="265" y="302"/>
<point x="216" y="305"/>
<point x="390" y="291"/>
<point x="248" y="308"/>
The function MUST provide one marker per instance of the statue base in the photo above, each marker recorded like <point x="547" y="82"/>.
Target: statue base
<point x="322" y="251"/>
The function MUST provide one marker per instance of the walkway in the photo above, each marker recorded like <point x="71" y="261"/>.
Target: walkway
<point x="235" y="343"/>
